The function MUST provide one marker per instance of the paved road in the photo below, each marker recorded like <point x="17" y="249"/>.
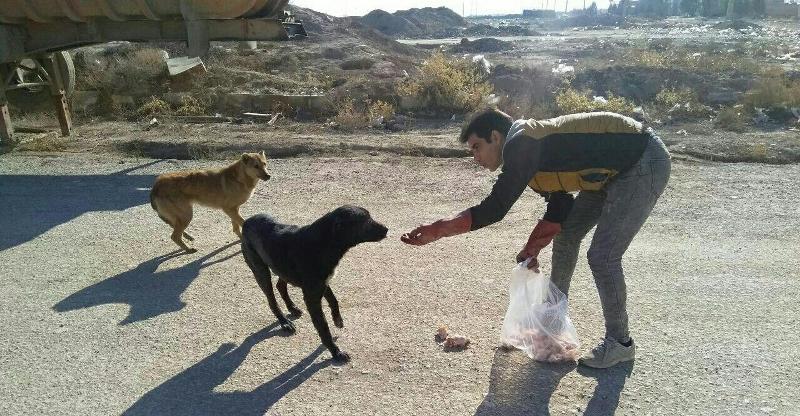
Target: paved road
<point x="96" y="320"/>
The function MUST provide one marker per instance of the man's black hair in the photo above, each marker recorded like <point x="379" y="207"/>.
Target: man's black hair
<point x="484" y="122"/>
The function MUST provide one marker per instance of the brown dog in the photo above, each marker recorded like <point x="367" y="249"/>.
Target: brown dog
<point x="228" y="188"/>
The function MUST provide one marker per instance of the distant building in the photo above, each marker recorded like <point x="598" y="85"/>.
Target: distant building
<point x="546" y="14"/>
<point x="782" y="8"/>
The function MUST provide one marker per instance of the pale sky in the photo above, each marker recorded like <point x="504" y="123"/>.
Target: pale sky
<point x="470" y="7"/>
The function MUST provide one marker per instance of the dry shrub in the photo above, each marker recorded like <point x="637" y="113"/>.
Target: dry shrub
<point x="379" y="109"/>
<point x="129" y="71"/>
<point x="731" y="118"/>
<point x="569" y="100"/>
<point x="191" y="106"/>
<point x="527" y="92"/>
<point x="352" y="116"/>
<point x="447" y="85"/>
<point x="48" y="142"/>
<point x="348" y="117"/>
<point x="680" y="103"/>
<point x="152" y="107"/>
<point x="774" y="90"/>
<point x="706" y="62"/>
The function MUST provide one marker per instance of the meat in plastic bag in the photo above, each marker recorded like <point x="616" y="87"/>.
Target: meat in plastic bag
<point x="537" y="320"/>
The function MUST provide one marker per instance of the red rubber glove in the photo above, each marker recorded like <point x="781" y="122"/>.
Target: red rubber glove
<point x="425" y="234"/>
<point x="541" y="236"/>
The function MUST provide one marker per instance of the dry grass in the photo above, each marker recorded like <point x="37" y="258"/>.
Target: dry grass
<point x="680" y="103"/>
<point x="447" y="85"/>
<point x="379" y="108"/>
<point x="47" y="142"/>
<point x="569" y="100"/>
<point x="352" y="116"/>
<point x="731" y="119"/>
<point x="152" y="107"/>
<point x="191" y="106"/>
<point x="705" y="61"/>
<point x="775" y="89"/>
<point x="130" y="71"/>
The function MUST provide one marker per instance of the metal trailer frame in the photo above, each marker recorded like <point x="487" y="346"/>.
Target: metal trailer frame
<point x="43" y="43"/>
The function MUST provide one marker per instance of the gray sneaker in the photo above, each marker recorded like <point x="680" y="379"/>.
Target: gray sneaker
<point x="607" y="353"/>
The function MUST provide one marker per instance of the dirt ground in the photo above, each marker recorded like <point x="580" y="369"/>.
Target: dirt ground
<point x="96" y="321"/>
<point x="435" y="138"/>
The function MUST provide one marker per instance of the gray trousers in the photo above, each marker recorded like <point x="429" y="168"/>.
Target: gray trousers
<point x="618" y="211"/>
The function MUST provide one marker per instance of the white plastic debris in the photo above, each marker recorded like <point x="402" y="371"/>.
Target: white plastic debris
<point x="563" y="69"/>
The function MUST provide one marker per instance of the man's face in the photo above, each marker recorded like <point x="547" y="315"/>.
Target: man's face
<point x="487" y="154"/>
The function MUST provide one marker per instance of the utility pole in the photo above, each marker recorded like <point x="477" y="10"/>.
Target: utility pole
<point x="566" y="4"/>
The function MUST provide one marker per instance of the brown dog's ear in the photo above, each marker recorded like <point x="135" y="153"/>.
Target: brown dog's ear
<point x="245" y="157"/>
<point x="263" y="154"/>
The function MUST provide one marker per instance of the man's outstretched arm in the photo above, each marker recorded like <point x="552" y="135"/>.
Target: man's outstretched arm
<point x="520" y="164"/>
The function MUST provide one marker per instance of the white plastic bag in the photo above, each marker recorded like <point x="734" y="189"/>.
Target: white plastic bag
<point x="537" y="320"/>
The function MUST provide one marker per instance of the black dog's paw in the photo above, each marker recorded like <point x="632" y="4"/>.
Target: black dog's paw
<point x="337" y="320"/>
<point x="295" y="311"/>
<point x="288" y="326"/>
<point x="341" y="357"/>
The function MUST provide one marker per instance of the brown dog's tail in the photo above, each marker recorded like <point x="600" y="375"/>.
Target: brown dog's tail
<point x="155" y="208"/>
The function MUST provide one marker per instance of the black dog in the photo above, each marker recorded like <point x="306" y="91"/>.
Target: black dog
<point x="306" y="257"/>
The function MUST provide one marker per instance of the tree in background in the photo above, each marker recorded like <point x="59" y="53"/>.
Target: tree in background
<point x="653" y="8"/>
<point x="689" y="7"/>
<point x="759" y="7"/>
<point x="592" y="10"/>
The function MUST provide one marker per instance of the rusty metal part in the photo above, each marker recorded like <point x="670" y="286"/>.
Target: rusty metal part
<point x="46" y="11"/>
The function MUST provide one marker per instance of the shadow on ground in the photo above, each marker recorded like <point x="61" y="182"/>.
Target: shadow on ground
<point x="610" y="382"/>
<point x="192" y="391"/>
<point x="521" y="386"/>
<point x="33" y="204"/>
<point x="148" y="292"/>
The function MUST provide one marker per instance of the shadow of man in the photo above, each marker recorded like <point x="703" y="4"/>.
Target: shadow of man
<point x="519" y="385"/>
<point x="33" y="204"/>
<point x="191" y="392"/>
<point x="610" y="382"/>
<point x="148" y="292"/>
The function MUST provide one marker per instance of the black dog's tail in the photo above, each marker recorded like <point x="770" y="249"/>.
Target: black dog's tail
<point x="153" y="205"/>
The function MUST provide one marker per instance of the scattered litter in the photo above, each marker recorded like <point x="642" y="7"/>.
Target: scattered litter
<point x="600" y="100"/>
<point x="760" y="117"/>
<point x="563" y="69"/>
<point x="153" y="123"/>
<point x="182" y="64"/>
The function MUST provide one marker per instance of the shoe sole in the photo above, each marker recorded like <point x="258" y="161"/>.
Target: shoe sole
<point x="585" y="364"/>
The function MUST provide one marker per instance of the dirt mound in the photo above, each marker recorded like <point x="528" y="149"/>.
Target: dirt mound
<point x="482" y="45"/>
<point x="338" y="31"/>
<point x="390" y="24"/>
<point x="415" y="22"/>
<point x="738" y="25"/>
<point x="482" y="29"/>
